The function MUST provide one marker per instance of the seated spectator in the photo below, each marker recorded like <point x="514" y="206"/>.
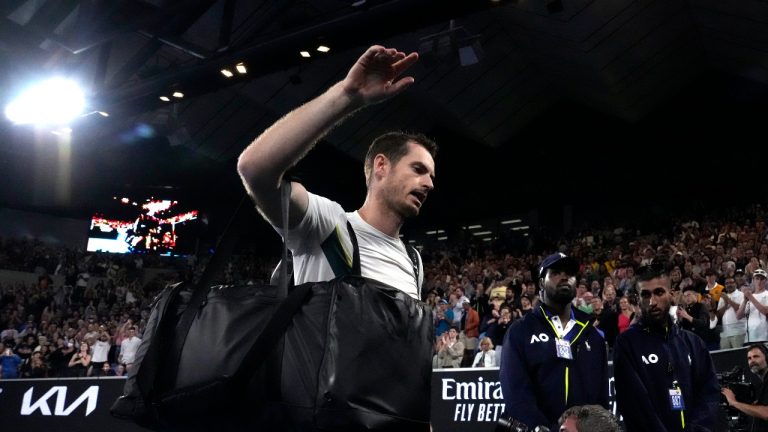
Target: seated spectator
<point x="36" y="368"/>
<point x="450" y="350"/>
<point x="104" y="370"/>
<point x="486" y="357"/>
<point x="120" y="370"/>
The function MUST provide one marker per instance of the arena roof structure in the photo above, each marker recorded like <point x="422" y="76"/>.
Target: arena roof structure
<point x="533" y="102"/>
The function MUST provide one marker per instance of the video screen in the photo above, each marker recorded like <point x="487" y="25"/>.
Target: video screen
<point x="139" y="227"/>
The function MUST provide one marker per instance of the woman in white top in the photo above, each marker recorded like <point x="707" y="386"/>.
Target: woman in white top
<point x="486" y="357"/>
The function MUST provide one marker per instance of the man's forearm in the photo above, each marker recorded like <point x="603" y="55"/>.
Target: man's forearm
<point x="265" y="160"/>
<point x="759" y="411"/>
<point x="759" y="306"/>
<point x="742" y="309"/>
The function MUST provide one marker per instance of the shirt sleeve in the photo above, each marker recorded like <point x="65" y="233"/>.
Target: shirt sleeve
<point x="321" y="218"/>
<point x="516" y="385"/>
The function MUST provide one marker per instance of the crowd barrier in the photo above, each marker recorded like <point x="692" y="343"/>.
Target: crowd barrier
<point x="462" y="400"/>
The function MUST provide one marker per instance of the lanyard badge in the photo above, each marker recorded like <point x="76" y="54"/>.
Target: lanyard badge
<point x="676" y="399"/>
<point x="563" y="349"/>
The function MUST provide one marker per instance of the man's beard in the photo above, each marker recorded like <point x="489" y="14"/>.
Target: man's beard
<point x="562" y="296"/>
<point x="405" y="210"/>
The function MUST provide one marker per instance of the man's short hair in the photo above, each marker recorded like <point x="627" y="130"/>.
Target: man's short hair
<point x="651" y="271"/>
<point x="760" y="347"/>
<point x="394" y="145"/>
<point x="592" y="418"/>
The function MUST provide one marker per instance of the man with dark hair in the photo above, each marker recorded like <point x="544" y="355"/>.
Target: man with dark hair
<point x="734" y="328"/>
<point x="393" y="145"/>
<point x="692" y="315"/>
<point x="553" y="358"/>
<point x="713" y="288"/>
<point x="665" y="379"/>
<point x="399" y="171"/>
<point x="758" y="410"/>
<point x="588" y="418"/>
<point x="128" y="348"/>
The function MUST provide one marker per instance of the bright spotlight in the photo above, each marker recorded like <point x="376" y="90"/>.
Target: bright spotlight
<point x="55" y="101"/>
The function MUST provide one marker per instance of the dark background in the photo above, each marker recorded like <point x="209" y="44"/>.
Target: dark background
<point x="610" y="109"/>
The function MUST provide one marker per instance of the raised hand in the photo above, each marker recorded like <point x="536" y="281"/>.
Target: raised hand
<point x="376" y="76"/>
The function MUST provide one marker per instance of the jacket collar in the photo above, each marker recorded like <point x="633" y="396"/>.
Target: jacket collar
<point x="578" y="314"/>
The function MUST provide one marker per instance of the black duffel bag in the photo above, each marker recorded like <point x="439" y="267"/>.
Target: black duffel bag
<point x="346" y="355"/>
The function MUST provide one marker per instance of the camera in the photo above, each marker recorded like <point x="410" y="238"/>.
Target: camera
<point x="734" y="380"/>
<point x="507" y="423"/>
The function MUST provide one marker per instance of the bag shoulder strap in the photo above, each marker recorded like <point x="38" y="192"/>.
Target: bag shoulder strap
<point x="355" y="270"/>
<point x="413" y="254"/>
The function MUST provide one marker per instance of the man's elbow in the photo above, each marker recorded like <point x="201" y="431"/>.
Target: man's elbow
<point x="247" y="168"/>
<point x="254" y="174"/>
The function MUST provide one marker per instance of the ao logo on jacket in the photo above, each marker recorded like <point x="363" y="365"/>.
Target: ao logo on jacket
<point x="653" y="358"/>
<point x="542" y="337"/>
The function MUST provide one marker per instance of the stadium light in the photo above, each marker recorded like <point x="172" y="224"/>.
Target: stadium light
<point x="56" y="101"/>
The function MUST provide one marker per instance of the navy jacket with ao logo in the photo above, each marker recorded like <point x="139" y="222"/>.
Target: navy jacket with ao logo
<point x="536" y="384"/>
<point x="646" y="361"/>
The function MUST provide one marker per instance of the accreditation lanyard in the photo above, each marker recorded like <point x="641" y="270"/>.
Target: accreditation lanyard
<point x="563" y="342"/>
<point x="676" y="401"/>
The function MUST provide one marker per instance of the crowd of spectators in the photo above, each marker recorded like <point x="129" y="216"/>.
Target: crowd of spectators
<point x="712" y="262"/>
<point x="91" y="321"/>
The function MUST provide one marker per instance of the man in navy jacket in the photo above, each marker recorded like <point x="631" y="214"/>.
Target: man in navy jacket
<point x="665" y="379"/>
<point x="554" y="358"/>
